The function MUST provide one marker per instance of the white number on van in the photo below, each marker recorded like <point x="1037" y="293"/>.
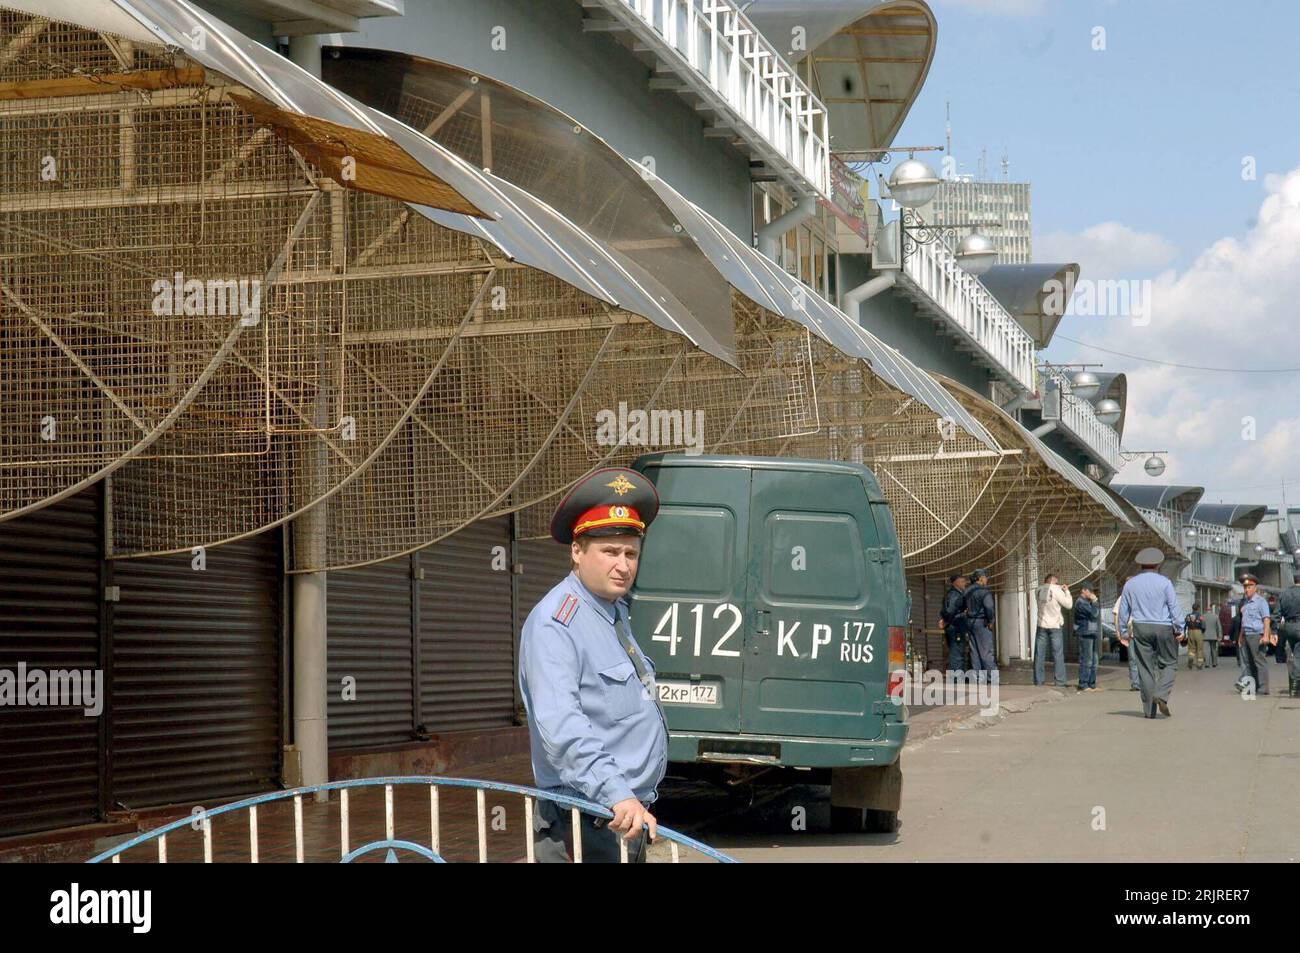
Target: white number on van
<point x="669" y="618"/>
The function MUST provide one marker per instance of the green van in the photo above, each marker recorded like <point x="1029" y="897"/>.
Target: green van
<point x="771" y="597"/>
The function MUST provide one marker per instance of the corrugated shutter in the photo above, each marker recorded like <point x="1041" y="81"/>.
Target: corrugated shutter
<point x="50" y="619"/>
<point x="196" y="675"/>
<point x="467" y="643"/>
<point x="545" y="562"/>
<point x="369" y="613"/>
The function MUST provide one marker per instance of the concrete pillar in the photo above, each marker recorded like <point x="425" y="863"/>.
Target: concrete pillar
<point x="305" y="51"/>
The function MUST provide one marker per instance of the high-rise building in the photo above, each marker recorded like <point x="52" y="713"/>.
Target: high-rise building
<point x="1002" y="207"/>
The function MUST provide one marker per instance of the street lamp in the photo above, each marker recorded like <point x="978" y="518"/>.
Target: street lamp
<point x="1085" y="385"/>
<point x="1108" y="411"/>
<point x="1154" y="466"/>
<point x="913" y="183"/>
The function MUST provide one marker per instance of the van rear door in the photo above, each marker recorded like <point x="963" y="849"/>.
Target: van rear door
<point x="689" y="601"/>
<point x="817" y="654"/>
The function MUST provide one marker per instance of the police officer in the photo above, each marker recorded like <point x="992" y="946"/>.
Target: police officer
<point x="981" y="613"/>
<point x="594" y="723"/>
<point x="1256" y="632"/>
<point x="952" y="620"/>
<point x="1213" y="633"/>
<point x="1288" y="605"/>
<point x="1194" y="627"/>
<point x="1149" y="626"/>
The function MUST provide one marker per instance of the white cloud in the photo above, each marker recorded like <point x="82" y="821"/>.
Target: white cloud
<point x="1233" y="307"/>
<point x="1107" y="250"/>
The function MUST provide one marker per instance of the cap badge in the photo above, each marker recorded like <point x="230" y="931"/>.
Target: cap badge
<point x="621" y="485"/>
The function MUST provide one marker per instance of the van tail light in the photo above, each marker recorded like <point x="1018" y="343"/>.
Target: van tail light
<point x="897" y="659"/>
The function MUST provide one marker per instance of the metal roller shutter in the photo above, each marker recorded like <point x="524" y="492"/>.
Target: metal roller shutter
<point x="369" y="612"/>
<point x="467" y="643"/>
<point x="545" y="562"/>
<point x="50" y="619"/>
<point x="196" y="675"/>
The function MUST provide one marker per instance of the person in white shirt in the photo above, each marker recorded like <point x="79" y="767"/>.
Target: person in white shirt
<point x="1053" y="600"/>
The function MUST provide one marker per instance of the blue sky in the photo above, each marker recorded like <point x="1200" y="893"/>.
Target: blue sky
<point x="1135" y="154"/>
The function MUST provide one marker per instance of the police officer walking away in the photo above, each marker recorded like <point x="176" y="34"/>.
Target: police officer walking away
<point x="1256" y="632"/>
<point x="1213" y="633"/>
<point x="1289" y="608"/>
<point x="1148" y="625"/>
<point x="981" y="614"/>
<point x="595" y="727"/>
<point x="952" y="619"/>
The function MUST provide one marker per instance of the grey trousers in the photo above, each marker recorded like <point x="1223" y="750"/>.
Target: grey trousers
<point x="553" y="838"/>
<point x="1212" y="652"/>
<point x="1156" y="651"/>
<point x="1254" y="663"/>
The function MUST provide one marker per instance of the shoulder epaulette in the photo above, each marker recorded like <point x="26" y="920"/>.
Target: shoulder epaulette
<point x="568" y="609"/>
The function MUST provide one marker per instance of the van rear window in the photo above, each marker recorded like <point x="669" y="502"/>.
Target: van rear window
<point x="814" y="557"/>
<point x="698" y="549"/>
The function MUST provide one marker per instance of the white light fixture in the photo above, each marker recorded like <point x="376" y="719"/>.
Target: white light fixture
<point x="1154" y="466"/>
<point x="913" y="183"/>
<point x="1108" y="412"/>
<point x="976" y="253"/>
<point x="1085" y="384"/>
<point x="1191" y="533"/>
<point x="1259" y="548"/>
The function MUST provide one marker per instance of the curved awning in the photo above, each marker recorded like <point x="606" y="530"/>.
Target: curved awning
<point x="1156" y="496"/>
<point x="547" y="152"/>
<point x="525" y="228"/>
<point x="1036" y="295"/>
<point x="1243" y="516"/>
<point x="868" y="59"/>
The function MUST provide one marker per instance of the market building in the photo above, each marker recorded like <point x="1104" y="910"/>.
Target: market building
<point x="303" y="340"/>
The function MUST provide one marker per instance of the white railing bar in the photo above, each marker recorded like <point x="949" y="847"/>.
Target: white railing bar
<point x="343" y="822"/>
<point x="162" y="849"/>
<point x="575" y="824"/>
<point x="252" y="834"/>
<point x="207" y="839"/>
<point x="297" y="828"/>
<point x="676" y="856"/>
<point x="481" y="798"/>
<point x="388" y="811"/>
<point x="531" y="852"/>
<point x="117" y="858"/>
<point x="435" y="834"/>
<point x="622" y="848"/>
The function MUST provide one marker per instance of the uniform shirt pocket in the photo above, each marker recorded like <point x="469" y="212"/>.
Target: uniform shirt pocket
<point x="622" y="690"/>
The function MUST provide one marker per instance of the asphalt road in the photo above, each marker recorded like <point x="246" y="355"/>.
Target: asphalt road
<point x="1085" y="778"/>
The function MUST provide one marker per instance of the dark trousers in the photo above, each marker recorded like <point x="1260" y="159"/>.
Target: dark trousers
<point x="981" y="647"/>
<point x="1254" y="663"/>
<point x="957" y="642"/>
<point x="553" y="838"/>
<point x="1156" y="651"/>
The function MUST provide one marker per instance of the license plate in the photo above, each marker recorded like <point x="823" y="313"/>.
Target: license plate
<point x="689" y="693"/>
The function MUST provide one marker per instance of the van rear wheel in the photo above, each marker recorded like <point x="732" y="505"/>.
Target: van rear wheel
<point x="863" y="820"/>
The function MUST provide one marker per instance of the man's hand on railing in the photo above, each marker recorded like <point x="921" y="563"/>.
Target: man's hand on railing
<point x="630" y="815"/>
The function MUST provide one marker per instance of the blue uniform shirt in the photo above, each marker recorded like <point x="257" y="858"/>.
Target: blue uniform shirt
<point x="1253" y="614"/>
<point x="595" y="731"/>
<point x="1149" y="597"/>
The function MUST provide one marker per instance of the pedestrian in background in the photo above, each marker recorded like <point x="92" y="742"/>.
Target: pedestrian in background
<point x="952" y="620"/>
<point x="1256" y="633"/>
<point x="981" y="616"/>
<point x="1148" y="613"/>
<point x="1194" y="627"/>
<point x="1213" y="633"/>
<point x="1289" y="610"/>
<point x="1053" y="600"/>
<point x="1087" y="625"/>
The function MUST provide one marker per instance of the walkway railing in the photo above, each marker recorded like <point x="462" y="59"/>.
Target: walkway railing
<point x="390" y="842"/>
